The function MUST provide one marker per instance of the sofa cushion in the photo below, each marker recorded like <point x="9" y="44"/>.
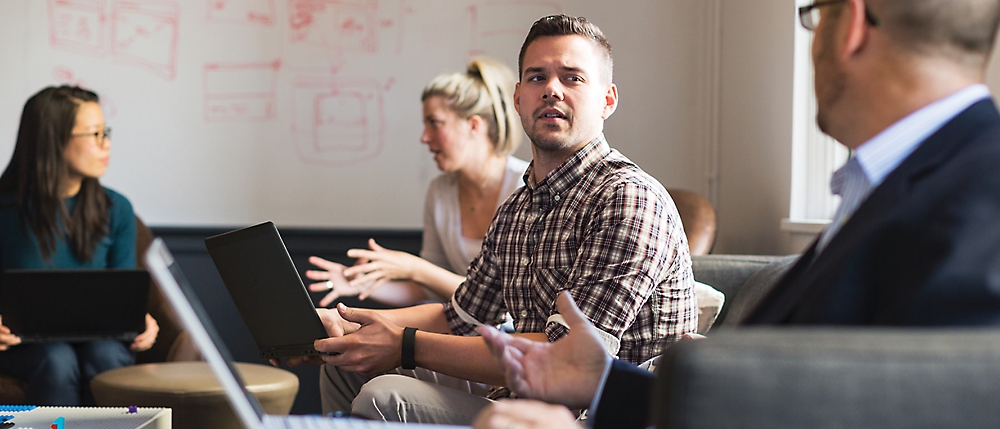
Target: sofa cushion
<point x="728" y="274"/>
<point x="755" y="288"/>
<point x="831" y="378"/>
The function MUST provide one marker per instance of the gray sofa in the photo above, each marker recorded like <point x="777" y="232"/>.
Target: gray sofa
<point x="822" y="378"/>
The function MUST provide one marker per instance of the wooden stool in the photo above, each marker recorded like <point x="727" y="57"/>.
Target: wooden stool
<point x="191" y="390"/>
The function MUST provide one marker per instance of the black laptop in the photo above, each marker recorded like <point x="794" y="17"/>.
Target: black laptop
<point x="74" y="305"/>
<point x="267" y="290"/>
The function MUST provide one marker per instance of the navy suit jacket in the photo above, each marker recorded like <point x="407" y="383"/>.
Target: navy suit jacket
<point x="922" y="250"/>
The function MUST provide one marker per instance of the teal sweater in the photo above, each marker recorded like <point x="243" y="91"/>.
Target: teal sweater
<point x="19" y="247"/>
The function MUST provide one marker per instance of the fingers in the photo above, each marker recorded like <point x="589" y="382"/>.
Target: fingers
<point x="331" y="345"/>
<point x="362" y="254"/>
<point x="368" y="278"/>
<point x="147" y="338"/>
<point x="319" y="286"/>
<point x="330" y="322"/>
<point x="524" y="414"/>
<point x="295" y="361"/>
<point x="7" y="339"/>
<point x="325" y="264"/>
<point x="693" y="336"/>
<point x="368" y="292"/>
<point x="495" y="340"/>
<point x="363" y="317"/>
<point x="374" y="246"/>
<point x="330" y="297"/>
<point x="569" y="311"/>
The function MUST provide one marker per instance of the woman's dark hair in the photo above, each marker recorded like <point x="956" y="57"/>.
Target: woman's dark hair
<point x="37" y="169"/>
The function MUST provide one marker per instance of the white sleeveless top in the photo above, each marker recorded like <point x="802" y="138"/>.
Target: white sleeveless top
<point x="443" y="243"/>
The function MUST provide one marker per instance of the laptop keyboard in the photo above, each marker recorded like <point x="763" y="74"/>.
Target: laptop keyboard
<point x="318" y="422"/>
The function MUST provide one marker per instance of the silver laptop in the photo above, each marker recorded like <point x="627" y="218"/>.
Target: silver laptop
<point x="171" y="280"/>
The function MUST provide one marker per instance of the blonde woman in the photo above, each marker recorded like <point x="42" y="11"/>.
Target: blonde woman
<point x="471" y="128"/>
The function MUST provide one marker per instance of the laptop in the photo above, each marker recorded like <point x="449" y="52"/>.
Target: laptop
<point x="175" y="287"/>
<point x="74" y="305"/>
<point x="267" y="290"/>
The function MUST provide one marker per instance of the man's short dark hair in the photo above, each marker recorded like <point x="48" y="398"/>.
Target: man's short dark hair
<point x="964" y="28"/>
<point x="565" y="25"/>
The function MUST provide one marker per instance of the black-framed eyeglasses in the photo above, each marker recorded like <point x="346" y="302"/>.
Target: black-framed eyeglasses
<point x="98" y="135"/>
<point x="809" y="15"/>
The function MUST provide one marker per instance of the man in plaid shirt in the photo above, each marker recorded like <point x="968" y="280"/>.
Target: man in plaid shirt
<point x="588" y="221"/>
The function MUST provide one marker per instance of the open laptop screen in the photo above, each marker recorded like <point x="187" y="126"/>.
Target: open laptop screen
<point x="178" y="291"/>
<point x="74" y="305"/>
<point x="267" y="290"/>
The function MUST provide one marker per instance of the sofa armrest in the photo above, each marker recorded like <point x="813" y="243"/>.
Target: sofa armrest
<point x="819" y="378"/>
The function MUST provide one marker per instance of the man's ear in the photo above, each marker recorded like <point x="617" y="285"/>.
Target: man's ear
<point x="610" y="101"/>
<point x="857" y="30"/>
<point x="517" y="97"/>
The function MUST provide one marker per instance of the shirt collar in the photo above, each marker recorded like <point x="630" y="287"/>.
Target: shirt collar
<point x="567" y="173"/>
<point x="884" y="152"/>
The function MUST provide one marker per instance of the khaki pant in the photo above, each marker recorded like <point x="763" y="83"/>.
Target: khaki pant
<point x="413" y="396"/>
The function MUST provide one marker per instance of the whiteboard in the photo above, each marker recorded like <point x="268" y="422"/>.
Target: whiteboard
<point x="305" y="112"/>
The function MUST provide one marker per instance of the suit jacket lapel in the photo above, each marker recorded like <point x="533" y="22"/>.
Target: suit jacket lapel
<point x="813" y="274"/>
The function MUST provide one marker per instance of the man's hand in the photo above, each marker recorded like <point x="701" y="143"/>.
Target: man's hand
<point x="525" y="414"/>
<point x="7" y="339"/>
<point x="566" y="372"/>
<point x="147" y="338"/>
<point x="335" y="326"/>
<point x="371" y="349"/>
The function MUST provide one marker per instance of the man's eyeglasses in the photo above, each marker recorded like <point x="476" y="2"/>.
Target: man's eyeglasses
<point x="809" y="15"/>
<point x="98" y="135"/>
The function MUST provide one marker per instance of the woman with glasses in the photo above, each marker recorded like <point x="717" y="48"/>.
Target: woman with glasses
<point x="54" y="213"/>
<point x="471" y="128"/>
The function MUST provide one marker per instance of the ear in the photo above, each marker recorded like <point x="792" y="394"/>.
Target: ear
<point x="610" y="101"/>
<point x="476" y="124"/>
<point x="517" y="97"/>
<point x="857" y="30"/>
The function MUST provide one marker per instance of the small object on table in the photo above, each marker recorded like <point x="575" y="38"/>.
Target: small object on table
<point x="59" y="423"/>
<point x="15" y="408"/>
<point x="132" y="409"/>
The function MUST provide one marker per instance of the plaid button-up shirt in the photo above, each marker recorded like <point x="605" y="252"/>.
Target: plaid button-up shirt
<point x="600" y="228"/>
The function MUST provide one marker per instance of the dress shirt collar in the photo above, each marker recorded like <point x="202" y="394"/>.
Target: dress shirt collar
<point x="884" y="152"/>
<point x="569" y="172"/>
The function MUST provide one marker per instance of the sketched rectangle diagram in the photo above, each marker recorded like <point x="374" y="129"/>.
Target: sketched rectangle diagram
<point x="77" y="26"/>
<point x="260" y="12"/>
<point x="240" y="92"/>
<point x="145" y="34"/>
<point x="338" y="122"/>
<point x="500" y="23"/>
<point x="346" y="26"/>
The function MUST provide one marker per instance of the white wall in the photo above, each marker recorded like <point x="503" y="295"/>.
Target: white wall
<point x="706" y="105"/>
<point x="179" y="166"/>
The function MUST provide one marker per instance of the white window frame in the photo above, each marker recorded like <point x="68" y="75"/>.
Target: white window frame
<point x="815" y="156"/>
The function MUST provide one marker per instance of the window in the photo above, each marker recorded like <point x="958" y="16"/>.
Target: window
<point x="815" y="156"/>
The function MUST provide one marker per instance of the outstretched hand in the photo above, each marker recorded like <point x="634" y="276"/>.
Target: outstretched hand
<point x="566" y="371"/>
<point x="378" y="265"/>
<point x="332" y="278"/>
